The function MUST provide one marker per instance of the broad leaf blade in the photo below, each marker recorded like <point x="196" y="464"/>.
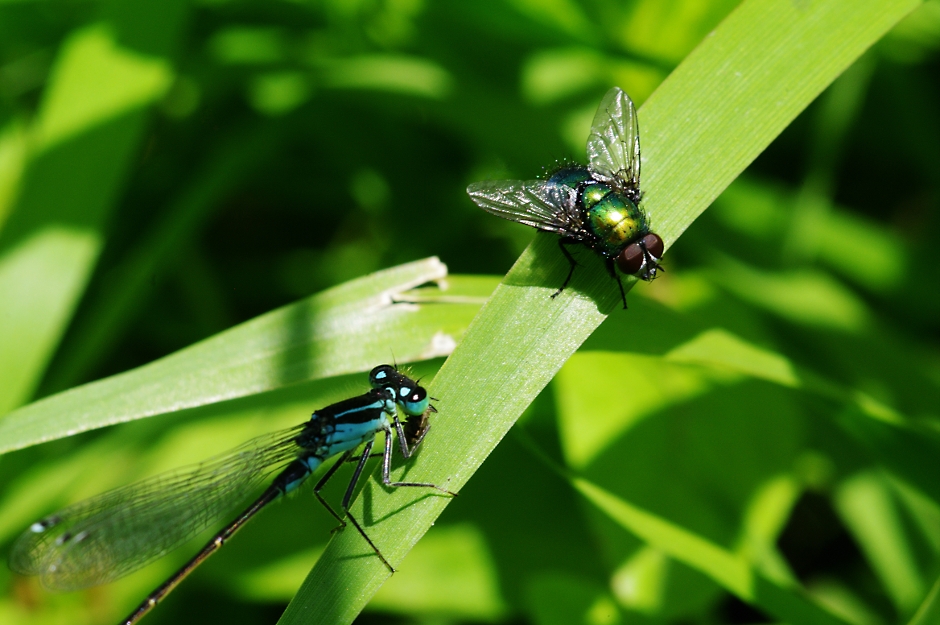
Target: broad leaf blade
<point x="345" y="329"/>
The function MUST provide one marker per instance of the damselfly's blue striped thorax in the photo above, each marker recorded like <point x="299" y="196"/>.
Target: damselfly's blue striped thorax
<point x="106" y="537"/>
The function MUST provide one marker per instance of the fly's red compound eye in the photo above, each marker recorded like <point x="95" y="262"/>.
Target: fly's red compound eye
<point x="636" y="257"/>
<point x="631" y="259"/>
<point x="654" y="245"/>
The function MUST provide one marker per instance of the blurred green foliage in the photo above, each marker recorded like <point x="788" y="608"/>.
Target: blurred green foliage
<point x="758" y="429"/>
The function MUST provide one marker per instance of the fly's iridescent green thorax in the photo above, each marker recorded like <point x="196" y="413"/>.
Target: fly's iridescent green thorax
<point x="610" y="216"/>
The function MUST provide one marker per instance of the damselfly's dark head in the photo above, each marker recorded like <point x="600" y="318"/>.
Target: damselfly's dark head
<point x="410" y="396"/>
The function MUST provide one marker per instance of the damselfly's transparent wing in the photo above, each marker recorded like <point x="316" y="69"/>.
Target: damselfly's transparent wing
<point x="108" y="536"/>
<point x="534" y="203"/>
<point x="613" y="147"/>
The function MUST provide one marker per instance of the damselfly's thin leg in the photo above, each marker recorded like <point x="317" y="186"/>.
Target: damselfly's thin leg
<point x="326" y="478"/>
<point x="363" y="459"/>
<point x="386" y="480"/>
<point x="387" y="458"/>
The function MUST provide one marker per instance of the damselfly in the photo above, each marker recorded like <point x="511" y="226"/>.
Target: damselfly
<point x="106" y="537"/>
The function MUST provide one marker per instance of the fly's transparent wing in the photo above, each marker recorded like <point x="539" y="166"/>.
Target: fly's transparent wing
<point x="108" y="536"/>
<point x="613" y="147"/>
<point x="534" y="203"/>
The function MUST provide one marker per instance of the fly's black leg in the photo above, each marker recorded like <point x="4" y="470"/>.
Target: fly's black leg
<point x="609" y="263"/>
<point x="572" y="263"/>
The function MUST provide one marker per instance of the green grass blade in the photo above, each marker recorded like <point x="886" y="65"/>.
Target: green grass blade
<point x="929" y="611"/>
<point x="345" y="329"/>
<point x="868" y="510"/>
<point x="726" y="102"/>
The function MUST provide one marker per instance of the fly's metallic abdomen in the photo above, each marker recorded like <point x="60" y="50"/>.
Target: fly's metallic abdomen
<point x="570" y="176"/>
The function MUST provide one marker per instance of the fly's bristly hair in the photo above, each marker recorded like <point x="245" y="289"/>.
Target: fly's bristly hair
<point x="557" y="166"/>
